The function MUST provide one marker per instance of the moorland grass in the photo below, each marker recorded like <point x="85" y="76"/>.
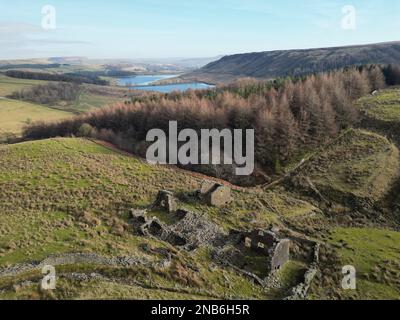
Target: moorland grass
<point x="73" y="195"/>
<point x="376" y="256"/>
<point x="359" y="163"/>
<point x="384" y="106"/>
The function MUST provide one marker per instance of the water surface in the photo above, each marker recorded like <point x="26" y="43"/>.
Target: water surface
<point x="144" y="82"/>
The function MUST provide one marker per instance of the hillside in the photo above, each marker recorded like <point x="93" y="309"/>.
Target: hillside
<point x="372" y="251"/>
<point x="87" y="208"/>
<point x="14" y="115"/>
<point x="383" y="106"/>
<point x="273" y="64"/>
<point x="68" y="201"/>
<point x="357" y="167"/>
<point x="353" y="179"/>
<point x="9" y="85"/>
<point x="381" y="112"/>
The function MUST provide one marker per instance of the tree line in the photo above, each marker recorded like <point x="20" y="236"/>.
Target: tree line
<point x="65" y="77"/>
<point x="49" y="93"/>
<point x="288" y="115"/>
<point x="31" y="66"/>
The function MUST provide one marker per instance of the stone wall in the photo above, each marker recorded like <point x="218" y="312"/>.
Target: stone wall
<point x="300" y="291"/>
<point x="190" y="231"/>
<point x="215" y="194"/>
<point x="281" y="254"/>
<point x="259" y="241"/>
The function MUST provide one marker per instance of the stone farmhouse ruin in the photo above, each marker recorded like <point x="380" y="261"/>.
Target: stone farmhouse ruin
<point x="269" y="244"/>
<point x="165" y="201"/>
<point x="190" y="230"/>
<point x="215" y="194"/>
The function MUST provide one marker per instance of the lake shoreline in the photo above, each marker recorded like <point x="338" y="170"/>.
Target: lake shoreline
<point x="161" y="83"/>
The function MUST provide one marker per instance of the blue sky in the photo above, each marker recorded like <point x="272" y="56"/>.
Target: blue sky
<point x="186" y="28"/>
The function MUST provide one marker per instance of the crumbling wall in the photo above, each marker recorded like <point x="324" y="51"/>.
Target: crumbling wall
<point x="215" y="194"/>
<point x="259" y="241"/>
<point x="281" y="254"/>
<point x="197" y="230"/>
<point x="165" y="201"/>
<point x="191" y="231"/>
<point x="300" y="291"/>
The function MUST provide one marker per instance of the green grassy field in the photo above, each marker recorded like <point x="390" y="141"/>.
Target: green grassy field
<point x="72" y="195"/>
<point x="375" y="254"/>
<point x="384" y="106"/>
<point x="9" y="85"/>
<point x="88" y="101"/>
<point x="14" y="115"/>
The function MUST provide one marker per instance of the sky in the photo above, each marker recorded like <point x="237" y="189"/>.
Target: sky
<point x="186" y="28"/>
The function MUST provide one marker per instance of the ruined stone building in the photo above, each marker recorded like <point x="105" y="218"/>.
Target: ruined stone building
<point x="268" y="243"/>
<point x="190" y="229"/>
<point x="165" y="201"/>
<point x="215" y="194"/>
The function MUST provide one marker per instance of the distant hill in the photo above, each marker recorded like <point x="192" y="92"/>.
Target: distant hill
<point x="272" y="64"/>
<point x="69" y="60"/>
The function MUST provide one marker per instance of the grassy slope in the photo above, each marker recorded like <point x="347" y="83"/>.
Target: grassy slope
<point x="371" y="166"/>
<point x="54" y="181"/>
<point x="72" y="195"/>
<point x="88" y="101"/>
<point x="375" y="254"/>
<point x="364" y="165"/>
<point x="384" y="106"/>
<point x="381" y="113"/>
<point x="9" y="85"/>
<point x="14" y="114"/>
<point x="359" y="163"/>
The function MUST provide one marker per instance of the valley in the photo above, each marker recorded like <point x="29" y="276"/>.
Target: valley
<point x="68" y="201"/>
<point x="208" y="158"/>
<point x="77" y="192"/>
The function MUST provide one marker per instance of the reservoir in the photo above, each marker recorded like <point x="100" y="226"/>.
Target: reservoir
<point x="144" y="82"/>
